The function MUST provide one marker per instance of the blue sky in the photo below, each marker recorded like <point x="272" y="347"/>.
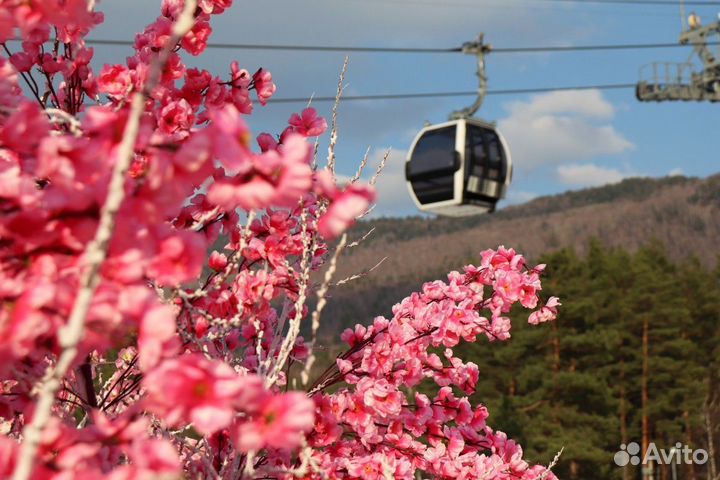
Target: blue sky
<point x="560" y="140"/>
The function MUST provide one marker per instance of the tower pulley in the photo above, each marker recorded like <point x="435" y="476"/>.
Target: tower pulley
<point x="664" y="81"/>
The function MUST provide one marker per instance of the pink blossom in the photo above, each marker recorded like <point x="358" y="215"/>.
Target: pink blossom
<point x="157" y="338"/>
<point x="264" y="85"/>
<point x="176" y="119"/>
<point x="196" y="41"/>
<point x="231" y="139"/>
<point x="344" y="210"/>
<point x="150" y="459"/>
<point x="546" y="313"/>
<point x="193" y="389"/>
<point x="196" y="81"/>
<point x="308" y="123"/>
<point x="201" y="365"/>
<point x="367" y="468"/>
<point x="281" y="178"/>
<point x="383" y="398"/>
<point x="22" y="61"/>
<point x="267" y="142"/>
<point x="24" y="128"/>
<point x="280" y="423"/>
<point x="179" y="260"/>
<point x="218" y="261"/>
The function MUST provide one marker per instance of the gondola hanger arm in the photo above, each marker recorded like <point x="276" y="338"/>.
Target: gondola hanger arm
<point x="478" y="48"/>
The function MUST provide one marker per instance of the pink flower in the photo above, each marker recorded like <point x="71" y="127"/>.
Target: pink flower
<point x="308" y="123"/>
<point x="196" y="40"/>
<point x="115" y="81"/>
<point x="176" y="119"/>
<point x="7" y="25"/>
<point x="249" y="194"/>
<point x="193" y="389"/>
<point x="369" y="467"/>
<point x="344" y="210"/>
<point x="267" y="142"/>
<point x="196" y="81"/>
<point x="218" y="261"/>
<point x="22" y="61"/>
<point x="231" y="139"/>
<point x="151" y="458"/>
<point x="264" y="85"/>
<point x="290" y="167"/>
<point x="280" y="423"/>
<point x="194" y="155"/>
<point x="281" y="179"/>
<point x="179" y="260"/>
<point x="381" y="397"/>
<point x="158" y="337"/>
<point x="24" y="129"/>
<point x="546" y="313"/>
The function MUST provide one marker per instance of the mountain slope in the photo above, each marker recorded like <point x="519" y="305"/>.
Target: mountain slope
<point x="681" y="213"/>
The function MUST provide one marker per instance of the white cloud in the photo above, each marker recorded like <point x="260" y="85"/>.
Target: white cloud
<point x="590" y="175"/>
<point x="676" y="172"/>
<point x="587" y="103"/>
<point x="559" y="127"/>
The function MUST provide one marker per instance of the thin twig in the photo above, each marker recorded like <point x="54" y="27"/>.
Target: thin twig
<point x="321" y="302"/>
<point x="71" y="334"/>
<point x="554" y="462"/>
<point x="360" y="169"/>
<point x="61" y="116"/>
<point x="309" y="248"/>
<point x="333" y="132"/>
<point x="361" y="239"/>
<point x="380" y="167"/>
<point x="359" y="275"/>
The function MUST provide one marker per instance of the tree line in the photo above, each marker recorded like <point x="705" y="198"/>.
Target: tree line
<point x="633" y="357"/>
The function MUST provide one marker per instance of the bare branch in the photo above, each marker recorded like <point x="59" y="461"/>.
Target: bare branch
<point x="333" y="132"/>
<point x="321" y="302"/>
<point x="361" y="239"/>
<point x="380" y="167"/>
<point x="61" y="116"/>
<point x="288" y="343"/>
<point x="554" y="462"/>
<point x="359" y="275"/>
<point x="360" y="169"/>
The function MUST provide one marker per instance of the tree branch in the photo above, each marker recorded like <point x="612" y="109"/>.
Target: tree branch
<point x="71" y="334"/>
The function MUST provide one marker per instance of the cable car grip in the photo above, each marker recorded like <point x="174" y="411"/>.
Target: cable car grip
<point x="478" y="48"/>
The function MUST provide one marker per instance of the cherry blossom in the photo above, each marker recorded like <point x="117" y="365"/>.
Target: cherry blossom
<point x="138" y="188"/>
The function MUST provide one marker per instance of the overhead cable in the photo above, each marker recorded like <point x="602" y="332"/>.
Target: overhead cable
<point x="402" y="96"/>
<point x="329" y="48"/>
<point x="651" y="3"/>
<point x="673" y="3"/>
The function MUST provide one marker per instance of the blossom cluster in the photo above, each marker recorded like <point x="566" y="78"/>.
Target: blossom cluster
<point x="184" y="357"/>
<point x="380" y="419"/>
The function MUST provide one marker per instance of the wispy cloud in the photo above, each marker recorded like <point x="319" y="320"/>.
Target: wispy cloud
<point x="560" y="127"/>
<point x="590" y="175"/>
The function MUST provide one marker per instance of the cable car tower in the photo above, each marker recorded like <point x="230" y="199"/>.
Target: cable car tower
<point x="460" y="167"/>
<point x="662" y="81"/>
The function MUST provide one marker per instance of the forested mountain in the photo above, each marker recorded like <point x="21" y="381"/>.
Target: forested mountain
<point x="682" y="214"/>
<point x="633" y="357"/>
<point x="634" y="354"/>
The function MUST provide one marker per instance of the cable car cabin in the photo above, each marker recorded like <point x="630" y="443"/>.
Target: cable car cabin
<point x="458" y="168"/>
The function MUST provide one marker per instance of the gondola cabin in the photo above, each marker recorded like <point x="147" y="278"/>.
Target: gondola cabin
<point x="458" y="168"/>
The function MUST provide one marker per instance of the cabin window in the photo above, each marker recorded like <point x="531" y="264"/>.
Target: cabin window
<point x="431" y="170"/>
<point x="485" y="155"/>
<point x="434" y="152"/>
